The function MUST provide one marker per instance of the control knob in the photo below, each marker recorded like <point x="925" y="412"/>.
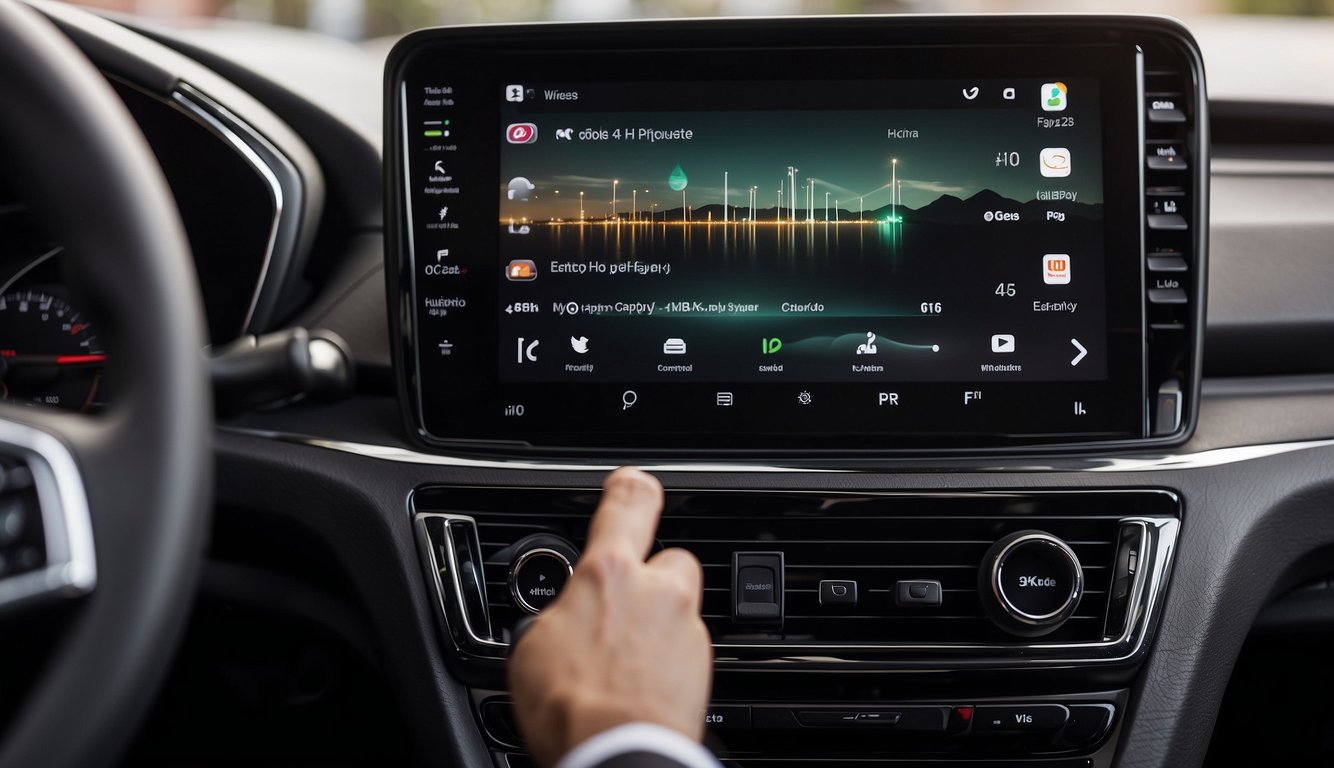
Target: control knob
<point x="541" y="565"/>
<point x="1030" y="583"/>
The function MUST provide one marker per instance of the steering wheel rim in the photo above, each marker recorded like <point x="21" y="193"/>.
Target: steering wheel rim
<point x="144" y="464"/>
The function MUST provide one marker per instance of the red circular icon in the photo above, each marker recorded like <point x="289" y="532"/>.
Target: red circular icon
<point x="521" y="133"/>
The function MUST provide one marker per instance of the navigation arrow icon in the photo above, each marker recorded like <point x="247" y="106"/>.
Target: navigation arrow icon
<point x="1082" y="352"/>
<point x="541" y="577"/>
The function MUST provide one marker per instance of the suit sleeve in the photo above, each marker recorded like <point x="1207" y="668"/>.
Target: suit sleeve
<point x="639" y="745"/>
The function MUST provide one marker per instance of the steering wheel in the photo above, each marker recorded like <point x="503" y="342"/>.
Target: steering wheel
<point x="122" y="497"/>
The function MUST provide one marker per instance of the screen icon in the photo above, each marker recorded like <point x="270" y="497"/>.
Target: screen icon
<point x="579" y="345"/>
<point x="519" y="189"/>
<point x="514" y="93"/>
<point x="565" y="134"/>
<point x="804" y="397"/>
<point x="526" y="352"/>
<point x="628" y="398"/>
<point x="771" y="346"/>
<point x="724" y="399"/>
<point x="1054" y="162"/>
<point x="521" y="133"/>
<point x="1054" y="97"/>
<point x="868" y="347"/>
<point x="1008" y="94"/>
<point x="441" y="255"/>
<point x="1056" y="269"/>
<point x="971" y="93"/>
<point x="1002" y="342"/>
<point x="674" y="347"/>
<point x="521" y="270"/>
<point x="1080" y="354"/>
<point x="440" y="167"/>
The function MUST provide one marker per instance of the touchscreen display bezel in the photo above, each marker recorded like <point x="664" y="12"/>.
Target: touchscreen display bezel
<point x="467" y="405"/>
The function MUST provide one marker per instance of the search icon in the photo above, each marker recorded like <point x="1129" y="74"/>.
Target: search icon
<point x="628" y="398"/>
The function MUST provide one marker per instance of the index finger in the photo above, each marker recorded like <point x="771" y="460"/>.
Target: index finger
<point x="627" y="516"/>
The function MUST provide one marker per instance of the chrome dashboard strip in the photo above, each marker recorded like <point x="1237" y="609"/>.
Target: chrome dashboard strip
<point x="279" y="175"/>
<point x="71" y="566"/>
<point x="1169" y="462"/>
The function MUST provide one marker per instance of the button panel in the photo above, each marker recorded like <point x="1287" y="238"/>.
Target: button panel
<point x="1172" y="230"/>
<point x="1001" y="729"/>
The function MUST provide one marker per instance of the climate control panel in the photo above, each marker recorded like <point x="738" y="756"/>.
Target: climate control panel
<point x="989" y="579"/>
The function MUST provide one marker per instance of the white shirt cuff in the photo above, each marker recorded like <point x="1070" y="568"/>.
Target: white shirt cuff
<point x="639" y="737"/>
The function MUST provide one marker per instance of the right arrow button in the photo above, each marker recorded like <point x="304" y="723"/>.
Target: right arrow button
<point x="1082" y="352"/>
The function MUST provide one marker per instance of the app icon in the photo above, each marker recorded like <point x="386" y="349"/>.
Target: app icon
<point x="674" y="347"/>
<point x="521" y="270"/>
<point x="514" y="93"/>
<point x="628" y="398"/>
<point x="565" y="134"/>
<point x="1008" y="94"/>
<point x="1054" y="162"/>
<point x="526" y="351"/>
<point x="771" y="346"/>
<point x="519" y="189"/>
<point x="868" y="347"/>
<point x="804" y="397"/>
<point x="1002" y="342"/>
<point x="971" y="93"/>
<point x="579" y="345"/>
<point x="441" y="255"/>
<point x="1056" y="269"/>
<point x="521" y="133"/>
<point x="1054" y="97"/>
<point x="724" y="399"/>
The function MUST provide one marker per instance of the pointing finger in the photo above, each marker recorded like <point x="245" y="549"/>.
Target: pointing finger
<point x="627" y="517"/>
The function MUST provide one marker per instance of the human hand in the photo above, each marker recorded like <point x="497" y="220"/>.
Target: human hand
<point x="624" y="641"/>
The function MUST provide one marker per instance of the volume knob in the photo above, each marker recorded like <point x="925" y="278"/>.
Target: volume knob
<point x="541" y="566"/>
<point x="1030" y="583"/>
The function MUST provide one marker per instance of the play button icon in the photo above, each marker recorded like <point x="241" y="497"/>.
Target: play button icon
<point x="1002" y="342"/>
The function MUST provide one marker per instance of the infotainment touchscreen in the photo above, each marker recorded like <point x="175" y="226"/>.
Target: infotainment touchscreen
<point x="769" y="245"/>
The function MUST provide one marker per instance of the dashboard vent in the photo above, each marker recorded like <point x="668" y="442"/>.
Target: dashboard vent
<point x="875" y="540"/>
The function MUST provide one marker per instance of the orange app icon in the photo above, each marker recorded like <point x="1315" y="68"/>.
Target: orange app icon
<point x="521" y="269"/>
<point x="1056" y="269"/>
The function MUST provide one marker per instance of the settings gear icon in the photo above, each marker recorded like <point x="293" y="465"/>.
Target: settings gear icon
<point x="804" y="398"/>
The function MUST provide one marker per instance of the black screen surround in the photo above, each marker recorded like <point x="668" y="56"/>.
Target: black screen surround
<point x="697" y="252"/>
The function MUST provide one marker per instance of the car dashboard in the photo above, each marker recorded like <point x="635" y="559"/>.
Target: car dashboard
<point x="1063" y="575"/>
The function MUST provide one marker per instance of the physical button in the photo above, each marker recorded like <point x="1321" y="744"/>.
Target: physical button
<point x="1166" y="262"/>
<point x="1167" y="296"/>
<point x="1030" y="582"/>
<point x="1019" y="718"/>
<point x="1167" y="222"/>
<point x="757" y="587"/>
<point x="1168" y="162"/>
<point x="1165" y="110"/>
<point x="913" y="719"/>
<point x="1087" y="724"/>
<point x="838" y="592"/>
<point x="727" y="717"/>
<point x="917" y="594"/>
<point x="537" y="577"/>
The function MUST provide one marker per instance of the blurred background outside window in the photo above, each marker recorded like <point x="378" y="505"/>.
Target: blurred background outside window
<point x="366" y="19"/>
